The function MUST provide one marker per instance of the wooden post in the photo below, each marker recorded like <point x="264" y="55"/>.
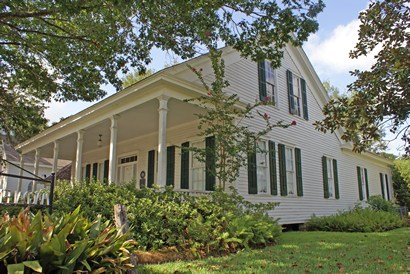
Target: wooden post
<point x="121" y="222"/>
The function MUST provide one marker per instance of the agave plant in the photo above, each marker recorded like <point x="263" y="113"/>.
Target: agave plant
<point x="40" y="244"/>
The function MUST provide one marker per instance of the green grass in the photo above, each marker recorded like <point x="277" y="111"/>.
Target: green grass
<point x="310" y="252"/>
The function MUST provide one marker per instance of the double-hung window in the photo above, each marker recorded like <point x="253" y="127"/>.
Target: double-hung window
<point x="262" y="178"/>
<point x="384" y="185"/>
<point x="198" y="168"/>
<point x="297" y="95"/>
<point x="267" y="82"/>
<point x="363" y="183"/>
<point x="290" y="170"/>
<point x="330" y="178"/>
<point x="262" y="167"/>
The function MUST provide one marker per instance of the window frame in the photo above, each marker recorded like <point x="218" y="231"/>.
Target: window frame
<point x="268" y="82"/>
<point x="292" y="172"/>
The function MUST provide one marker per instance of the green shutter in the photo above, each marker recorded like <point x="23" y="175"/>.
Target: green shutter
<point x="336" y="179"/>
<point x="87" y="173"/>
<point x="185" y="165"/>
<point x="282" y="170"/>
<point x="170" y="166"/>
<point x="106" y="168"/>
<point x="382" y="185"/>
<point x="359" y="180"/>
<point x="210" y="163"/>
<point x="367" y="184"/>
<point x="387" y="187"/>
<point x="289" y="78"/>
<point x="95" y="171"/>
<point x="299" y="182"/>
<point x="252" y="175"/>
<point x="304" y="99"/>
<point x="262" y="80"/>
<point x="272" y="168"/>
<point x="325" y="178"/>
<point x="151" y="168"/>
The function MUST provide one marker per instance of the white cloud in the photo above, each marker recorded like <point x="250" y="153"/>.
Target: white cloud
<point x="331" y="54"/>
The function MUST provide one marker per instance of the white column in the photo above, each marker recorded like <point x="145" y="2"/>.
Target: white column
<point x="162" y="140"/>
<point x="79" y="152"/>
<point x="55" y="156"/>
<point x="36" y="164"/>
<point x="113" y="150"/>
<point x="20" y="181"/>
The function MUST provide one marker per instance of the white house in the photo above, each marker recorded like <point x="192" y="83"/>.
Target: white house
<point x="137" y="134"/>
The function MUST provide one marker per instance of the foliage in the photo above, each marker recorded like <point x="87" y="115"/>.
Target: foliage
<point x="308" y="252"/>
<point x="380" y="97"/>
<point x="401" y="181"/>
<point x="357" y="220"/>
<point x="135" y="76"/>
<point x="67" y="49"/>
<point x="71" y="243"/>
<point x="224" y="119"/>
<point x="378" y="203"/>
<point x="200" y="224"/>
<point x="332" y="91"/>
<point x="94" y="198"/>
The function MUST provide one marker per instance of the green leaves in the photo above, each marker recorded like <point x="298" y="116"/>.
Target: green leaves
<point x="45" y="245"/>
<point x="66" y="50"/>
<point x="380" y="96"/>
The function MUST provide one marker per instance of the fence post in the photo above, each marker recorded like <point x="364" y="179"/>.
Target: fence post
<point x="121" y="222"/>
<point x="53" y="178"/>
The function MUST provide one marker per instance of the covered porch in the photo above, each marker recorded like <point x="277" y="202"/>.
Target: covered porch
<point x="134" y="135"/>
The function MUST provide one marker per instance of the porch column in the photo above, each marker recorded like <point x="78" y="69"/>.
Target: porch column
<point x="162" y="140"/>
<point x="79" y="152"/>
<point x="36" y="164"/>
<point x="55" y="156"/>
<point x="21" y="173"/>
<point x="113" y="150"/>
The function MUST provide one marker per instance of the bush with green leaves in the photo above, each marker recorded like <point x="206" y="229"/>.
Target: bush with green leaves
<point x="357" y="220"/>
<point x="44" y="244"/>
<point x="378" y="203"/>
<point x="158" y="219"/>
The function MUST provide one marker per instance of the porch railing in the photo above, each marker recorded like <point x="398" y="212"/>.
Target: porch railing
<point x="37" y="199"/>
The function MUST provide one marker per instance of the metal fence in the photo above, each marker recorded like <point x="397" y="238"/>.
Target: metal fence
<point x="35" y="199"/>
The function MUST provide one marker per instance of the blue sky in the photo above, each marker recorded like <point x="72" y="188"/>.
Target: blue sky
<point x="327" y="50"/>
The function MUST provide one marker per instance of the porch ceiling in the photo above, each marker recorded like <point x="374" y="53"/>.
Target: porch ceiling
<point x="132" y="123"/>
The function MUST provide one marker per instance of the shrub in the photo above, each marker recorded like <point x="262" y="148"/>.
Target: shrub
<point x="70" y="243"/>
<point x="161" y="219"/>
<point x="378" y="203"/>
<point x="357" y="220"/>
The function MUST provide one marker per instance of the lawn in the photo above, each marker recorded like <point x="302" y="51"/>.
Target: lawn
<point x="310" y="252"/>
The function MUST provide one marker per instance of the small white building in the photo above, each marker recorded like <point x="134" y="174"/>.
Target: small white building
<point x="136" y="134"/>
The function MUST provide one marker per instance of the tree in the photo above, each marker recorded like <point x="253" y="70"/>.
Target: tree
<point x="65" y="50"/>
<point x="401" y="181"/>
<point x="135" y="77"/>
<point x="224" y="121"/>
<point x="332" y="91"/>
<point x="380" y="97"/>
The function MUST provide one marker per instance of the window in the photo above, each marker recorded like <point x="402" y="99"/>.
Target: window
<point x="290" y="170"/>
<point x="197" y="168"/>
<point x="363" y="183"/>
<point x="297" y="95"/>
<point x="384" y="185"/>
<point x="128" y="159"/>
<point x="330" y="178"/>
<point x="262" y="167"/>
<point x="267" y="82"/>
